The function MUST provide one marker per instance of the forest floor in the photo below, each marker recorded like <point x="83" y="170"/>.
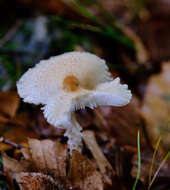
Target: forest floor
<point x="123" y="147"/>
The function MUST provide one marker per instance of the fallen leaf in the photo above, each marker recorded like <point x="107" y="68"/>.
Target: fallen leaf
<point x="44" y="156"/>
<point x="26" y="153"/>
<point x="13" y="165"/>
<point x="37" y="181"/>
<point x="22" y="119"/>
<point x="121" y="123"/>
<point x="9" y="102"/>
<point x="46" y="161"/>
<point x="102" y="162"/>
<point x="43" y="164"/>
<point x="17" y="134"/>
<point x="3" y="119"/>
<point x="50" y="156"/>
<point x="156" y="105"/>
<point x="83" y="174"/>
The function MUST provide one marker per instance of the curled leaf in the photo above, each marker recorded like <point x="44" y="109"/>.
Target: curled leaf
<point x="13" y="165"/>
<point x="83" y="173"/>
<point x="49" y="156"/>
<point x="156" y="105"/>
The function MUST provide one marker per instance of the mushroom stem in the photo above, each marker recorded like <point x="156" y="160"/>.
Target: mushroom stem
<point x="74" y="135"/>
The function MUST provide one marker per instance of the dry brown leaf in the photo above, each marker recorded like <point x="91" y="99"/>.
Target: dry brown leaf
<point x="45" y="156"/>
<point x="44" y="166"/>
<point x="83" y="173"/>
<point x="9" y="102"/>
<point x="22" y="119"/>
<point x="17" y="134"/>
<point x="46" y="160"/>
<point x="26" y="153"/>
<point x="102" y="162"/>
<point x="13" y="165"/>
<point x="156" y="105"/>
<point x="121" y="123"/>
<point x="42" y="157"/>
<point x="37" y="181"/>
<point x="3" y="119"/>
<point x="49" y="156"/>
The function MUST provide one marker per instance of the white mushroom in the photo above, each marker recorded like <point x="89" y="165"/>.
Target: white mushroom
<point x="69" y="82"/>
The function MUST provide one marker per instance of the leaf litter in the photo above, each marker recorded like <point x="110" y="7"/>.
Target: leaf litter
<point x="48" y="161"/>
<point x="47" y="164"/>
<point x="109" y="156"/>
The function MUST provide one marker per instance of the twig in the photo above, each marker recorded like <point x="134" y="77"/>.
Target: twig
<point x="10" y="33"/>
<point x="8" y="142"/>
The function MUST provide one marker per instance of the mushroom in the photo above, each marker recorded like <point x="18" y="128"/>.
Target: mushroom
<point x="70" y="82"/>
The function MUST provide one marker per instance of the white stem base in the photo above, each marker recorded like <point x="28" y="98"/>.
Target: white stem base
<point x="74" y="135"/>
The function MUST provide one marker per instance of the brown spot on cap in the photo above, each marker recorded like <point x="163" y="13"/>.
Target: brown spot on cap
<point x="70" y="83"/>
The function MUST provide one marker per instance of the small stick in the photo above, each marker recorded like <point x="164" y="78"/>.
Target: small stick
<point x="8" y="142"/>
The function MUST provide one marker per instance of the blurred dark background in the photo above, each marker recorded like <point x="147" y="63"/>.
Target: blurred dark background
<point x="132" y="35"/>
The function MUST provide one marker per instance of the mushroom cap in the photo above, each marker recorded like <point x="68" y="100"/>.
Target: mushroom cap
<point x="68" y="82"/>
<point x="45" y="80"/>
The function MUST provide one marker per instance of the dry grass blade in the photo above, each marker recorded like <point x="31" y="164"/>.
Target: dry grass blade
<point x="160" y="166"/>
<point x="156" y="150"/>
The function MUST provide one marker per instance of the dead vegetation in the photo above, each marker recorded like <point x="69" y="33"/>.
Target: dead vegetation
<point x="134" y="40"/>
